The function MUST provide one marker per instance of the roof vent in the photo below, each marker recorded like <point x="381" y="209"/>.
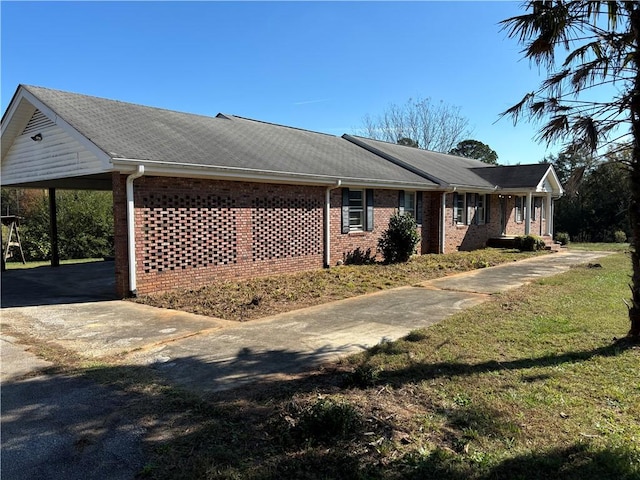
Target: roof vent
<point x="37" y="123"/>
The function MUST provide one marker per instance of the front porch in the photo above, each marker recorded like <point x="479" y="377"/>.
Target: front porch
<point x="509" y="241"/>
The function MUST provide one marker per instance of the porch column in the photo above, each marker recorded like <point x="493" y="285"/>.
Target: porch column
<point x="53" y="226"/>
<point x="549" y="215"/>
<point x="527" y="215"/>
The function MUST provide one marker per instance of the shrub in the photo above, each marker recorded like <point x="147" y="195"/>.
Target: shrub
<point x="619" y="236"/>
<point x="364" y="376"/>
<point x="398" y="242"/>
<point x="328" y="418"/>
<point x="529" y="243"/>
<point x="563" y="238"/>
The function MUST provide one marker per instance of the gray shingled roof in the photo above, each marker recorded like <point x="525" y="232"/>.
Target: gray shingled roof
<point x="514" y="176"/>
<point x="449" y="169"/>
<point x="130" y="131"/>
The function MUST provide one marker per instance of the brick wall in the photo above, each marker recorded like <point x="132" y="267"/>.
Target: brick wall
<point x="385" y="204"/>
<point x="471" y="237"/>
<point x="191" y="231"/>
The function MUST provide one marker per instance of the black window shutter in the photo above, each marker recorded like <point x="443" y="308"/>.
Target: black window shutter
<point x="401" y="202"/>
<point x="419" y="208"/>
<point x="369" y="214"/>
<point x="487" y="209"/>
<point x="345" y="210"/>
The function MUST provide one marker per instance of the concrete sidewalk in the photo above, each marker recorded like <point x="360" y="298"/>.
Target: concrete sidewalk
<point x="291" y="343"/>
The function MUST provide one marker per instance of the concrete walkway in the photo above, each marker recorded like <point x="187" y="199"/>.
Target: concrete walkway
<point x="210" y="354"/>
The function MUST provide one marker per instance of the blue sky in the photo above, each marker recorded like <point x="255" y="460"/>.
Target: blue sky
<point x="313" y="65"/>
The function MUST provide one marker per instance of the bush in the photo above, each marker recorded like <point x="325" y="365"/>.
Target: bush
<point x="563" y="238"/>
<point x="529" y="243"/>
<point x="619" y="236"/>
<point x="398" y="242"/>
<point x="326" y="419"/>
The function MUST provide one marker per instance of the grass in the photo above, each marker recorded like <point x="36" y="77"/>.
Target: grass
<point x="536" y="383"/>
<point x="18" y="265"/>
<point x="601" y="246"/>
<point x="530" y="385"/>
<point x="257" y="298"/>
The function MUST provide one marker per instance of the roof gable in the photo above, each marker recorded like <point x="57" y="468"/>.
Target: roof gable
<point x="540" y="177"/>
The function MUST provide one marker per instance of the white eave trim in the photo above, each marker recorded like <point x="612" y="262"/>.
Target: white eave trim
<point x="154" y="167"/>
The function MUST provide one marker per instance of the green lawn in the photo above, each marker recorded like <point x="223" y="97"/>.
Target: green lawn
<point x="537" y="383"/>
<point x="45" y="263"/>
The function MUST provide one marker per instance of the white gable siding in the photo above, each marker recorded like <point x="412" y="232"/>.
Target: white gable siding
<point x="57" y="155"/>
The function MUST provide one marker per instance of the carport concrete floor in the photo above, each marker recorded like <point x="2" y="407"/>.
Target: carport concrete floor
<point x="50" y="414"/>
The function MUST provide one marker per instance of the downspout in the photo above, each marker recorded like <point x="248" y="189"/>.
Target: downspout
<point x="327" y="223"/>
<point x="131" y="232"/>
<point x="443" y="221"/>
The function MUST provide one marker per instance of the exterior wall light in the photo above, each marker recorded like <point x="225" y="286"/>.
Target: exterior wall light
<point x="37" y="137"/>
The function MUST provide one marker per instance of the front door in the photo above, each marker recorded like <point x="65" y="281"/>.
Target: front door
<point x="503" y="216"/>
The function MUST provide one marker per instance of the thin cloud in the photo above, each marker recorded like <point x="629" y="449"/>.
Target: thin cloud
<point x="308" y="102"/>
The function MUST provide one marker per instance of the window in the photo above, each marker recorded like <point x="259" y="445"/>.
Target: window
<point x="410" y="203"/>
<point x="356" y="210"/>
<point x="520" y="207"/>
<point x="481" y="209"/>
<point x="470" y="208"/>
<point x="459" y="208"/>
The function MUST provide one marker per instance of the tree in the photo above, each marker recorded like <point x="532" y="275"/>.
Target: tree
<point x="596" y="200"/>
<point x="408" y="142"/>
<point x="436" y="127"/>
<point x="601" y="45"/>
<point x="475" y="149"/>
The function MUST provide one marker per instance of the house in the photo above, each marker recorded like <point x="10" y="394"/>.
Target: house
<point x="200" y="198"/>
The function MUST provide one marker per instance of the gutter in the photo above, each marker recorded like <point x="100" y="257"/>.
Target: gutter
<point x="327" y="223"/>
<point x="131" y="232"/>
<point x="182" y="169"/>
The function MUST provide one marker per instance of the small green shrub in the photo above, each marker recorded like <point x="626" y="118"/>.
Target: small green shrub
<point x="398" y="242"/>
<point x="359" y="257"/>
<point x="364" y="376"/>
<point x="529" y="243"/>
<point x="327" y="419"/>
<point x="619" y="236"/>
<point x="563" y="238"/>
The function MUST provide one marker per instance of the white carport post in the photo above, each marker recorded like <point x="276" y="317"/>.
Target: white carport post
<point x="527" y="215"/>
<point x="549" y="215"/>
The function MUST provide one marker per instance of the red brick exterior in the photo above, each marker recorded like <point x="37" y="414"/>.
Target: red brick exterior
<point x="474" y="236"/>
<point x="190" y="232"/>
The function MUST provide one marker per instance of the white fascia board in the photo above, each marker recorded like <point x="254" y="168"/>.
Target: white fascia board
<point x="152" y="167"/>
<point x="53" y="116"/>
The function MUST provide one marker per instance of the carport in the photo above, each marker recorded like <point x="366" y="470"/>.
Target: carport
<point x="42" y="151"/>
